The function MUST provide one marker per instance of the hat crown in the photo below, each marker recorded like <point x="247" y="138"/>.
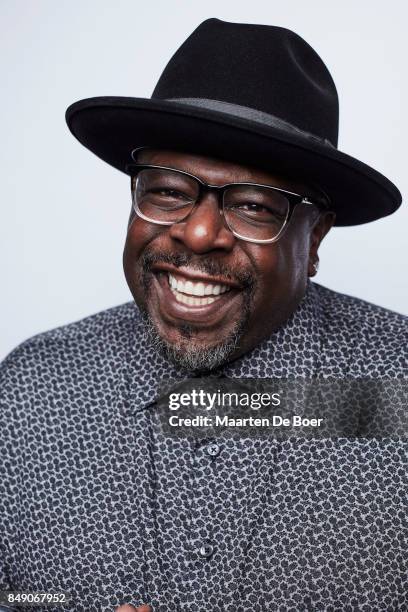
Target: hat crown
<point x="266" y="68"/>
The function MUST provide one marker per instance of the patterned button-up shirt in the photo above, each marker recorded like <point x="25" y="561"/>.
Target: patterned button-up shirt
<point x="98" y="502"/>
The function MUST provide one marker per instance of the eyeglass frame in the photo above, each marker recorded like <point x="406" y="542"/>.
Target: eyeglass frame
<point x="220" y="189"/>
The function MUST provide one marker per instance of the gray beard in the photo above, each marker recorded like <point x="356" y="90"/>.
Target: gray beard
<point x="190" y="356"/>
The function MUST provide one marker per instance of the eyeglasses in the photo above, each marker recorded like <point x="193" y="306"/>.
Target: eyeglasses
<point x="253" y="212"/>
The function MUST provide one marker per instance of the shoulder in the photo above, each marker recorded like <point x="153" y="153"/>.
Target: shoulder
<point x="91" y="340"/>
<point x="359" y="312"/>
<point x="372" y="334"/>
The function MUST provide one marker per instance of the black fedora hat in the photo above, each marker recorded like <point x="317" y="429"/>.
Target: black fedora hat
<point x="254" y="94"/>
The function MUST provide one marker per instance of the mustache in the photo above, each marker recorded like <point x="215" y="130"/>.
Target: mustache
<point x="206" y="264"/>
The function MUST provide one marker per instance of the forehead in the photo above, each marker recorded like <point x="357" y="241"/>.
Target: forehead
<point x="216" y="171"/>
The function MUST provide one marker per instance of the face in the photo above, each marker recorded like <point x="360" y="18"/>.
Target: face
<point x="249" y="289"/>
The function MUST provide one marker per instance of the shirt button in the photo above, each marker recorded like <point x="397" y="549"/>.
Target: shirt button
<point x="206" y="550"/>
<point x="213" y="449"/>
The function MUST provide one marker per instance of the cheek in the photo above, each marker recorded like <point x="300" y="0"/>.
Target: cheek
<point x="295" y="258"/>
<point x="277" y="264"/>
<point x="293" y="252"/>
<point x="282" y="277"/>
<point x="139" y="235"/>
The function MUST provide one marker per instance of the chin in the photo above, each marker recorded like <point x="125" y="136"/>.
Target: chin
<point x="188" y="347"/>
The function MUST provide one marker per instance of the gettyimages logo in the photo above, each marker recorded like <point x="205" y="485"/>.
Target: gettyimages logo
<point x="283" y="408"/>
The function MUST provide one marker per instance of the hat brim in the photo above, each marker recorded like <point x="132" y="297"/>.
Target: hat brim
<point x="111" y="127"/>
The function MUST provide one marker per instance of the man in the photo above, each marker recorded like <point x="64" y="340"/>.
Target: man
<point x="235" y="180"/>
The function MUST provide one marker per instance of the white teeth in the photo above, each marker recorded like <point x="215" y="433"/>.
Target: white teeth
<point x="190" y="288"/>
<point x="173" y="282"/>
<point x="192" y="301"/>
<point x="198" y="289"/>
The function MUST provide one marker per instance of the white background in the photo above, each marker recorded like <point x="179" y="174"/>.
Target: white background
<point x="64" y="212"/>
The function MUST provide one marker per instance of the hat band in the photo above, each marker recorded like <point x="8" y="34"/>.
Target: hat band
<point x="252" y="114"/>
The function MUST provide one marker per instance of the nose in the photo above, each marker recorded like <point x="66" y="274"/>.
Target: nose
<point x="204" y="229"/>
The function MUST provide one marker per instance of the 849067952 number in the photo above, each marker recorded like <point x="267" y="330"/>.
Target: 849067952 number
<point x="21" y="598"/>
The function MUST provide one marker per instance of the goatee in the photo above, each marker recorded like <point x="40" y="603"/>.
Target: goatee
<point x="188" y="353"/>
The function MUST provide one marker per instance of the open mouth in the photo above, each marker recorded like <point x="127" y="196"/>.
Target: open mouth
<point x="186" y="294"/>
<point x="195" y="293"/>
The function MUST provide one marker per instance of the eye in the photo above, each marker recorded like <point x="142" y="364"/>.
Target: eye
<point x="252" y="207"/>
<point x="263" y="213"/>
<point x="169" y="193"/>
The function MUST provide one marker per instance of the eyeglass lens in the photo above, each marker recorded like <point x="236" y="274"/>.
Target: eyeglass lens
<point x="251" y="211"/>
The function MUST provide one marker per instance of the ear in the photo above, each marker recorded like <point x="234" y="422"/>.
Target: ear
<point x="321" y="227"/>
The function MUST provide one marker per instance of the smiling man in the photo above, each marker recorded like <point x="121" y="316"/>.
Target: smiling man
<point x="217" y="254"/>
<point x="235" y="180"/>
